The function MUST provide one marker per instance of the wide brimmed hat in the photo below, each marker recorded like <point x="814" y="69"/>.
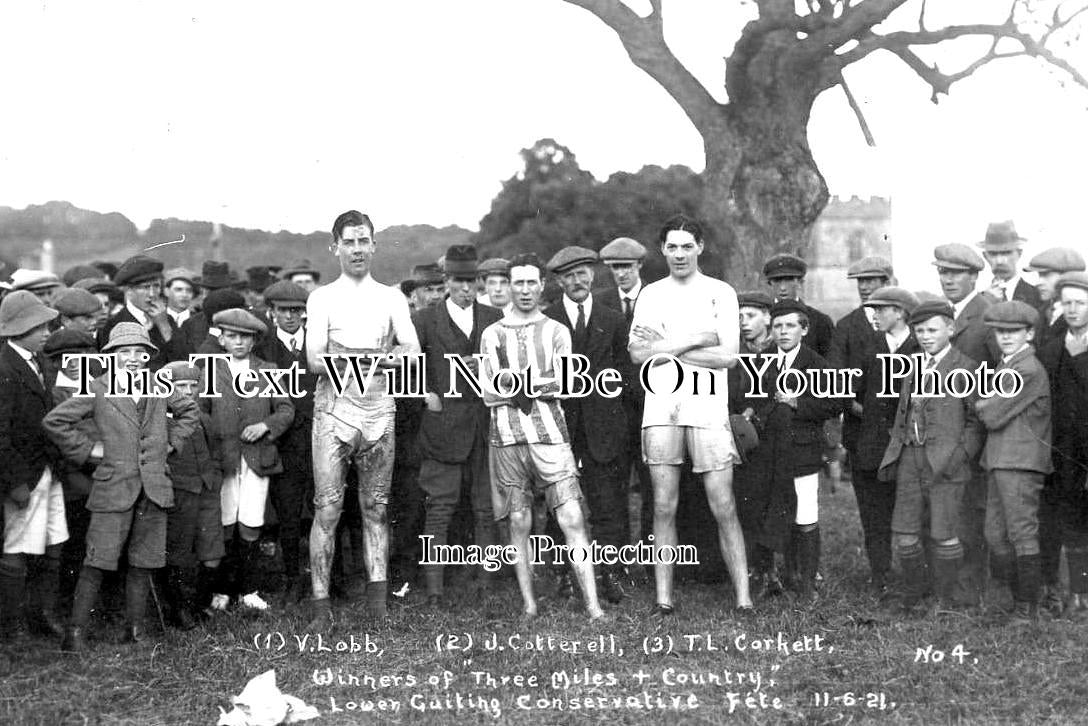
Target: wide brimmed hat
<point x="217" y="275"/>
<point x="1002" y="237"/>
<point x="124" y="334"/>
<point x="460" y="261"/>
<point x="21" y="311"/>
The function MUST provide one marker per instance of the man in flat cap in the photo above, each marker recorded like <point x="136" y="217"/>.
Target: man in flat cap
<point x="785" y="275"/>
<point x="34" y="525"/>
<point x="302" y="273"/>
<point x="44" y="284"/>
<point x="1066" y="361"/>
<point x="80" y="272"/>
<point x="288" y="490"/>
<point x="931" y="452"/>
<point x="79" y="310"/>
<point x="1002" y="248"/>
<point x="693" y="318"/>
<point x="180" y="291"/>
<point x="430" y="286"/>
<point x="891" y="308"/>
<point x="354" y="315"/>
<point x="453" y="430"/>
<point x="494" y="276"/>
<point x="141" y="279"/>
<point x="597" y="424"/>
<point x="1048" y="266"/>
<point x="623" y="256"/>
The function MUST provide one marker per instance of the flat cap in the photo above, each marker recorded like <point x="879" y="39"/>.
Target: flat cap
<point x="80" y="272"/>
<point x="784" y="265"/>
<point x="755" y="299"/>
<point x="900" y="297"/>
<point x="622" y="249"/>
<point x="785" y="307"/>
<point x="494" y="266"/>
<point x="300" y="267"/>
<point x="95" y="284"/>
<point x="137" y="269"/>
<point x="931" y="308"/>
<point x="69" y="340"/>
<point x="181" y="371"/>
<point x="460" y="261"/>
<point x="570" y="257"/>
<point x="21" y="311"/>
<point x="218" y="300"/>
<point x="179" y="273"/>
<point x="286" y="294"/>
<point x="1056" y="259"/>
<point x="24" y="279"/>
<point x="107" y="268"/>
<point x="428" y="274"/>
<point x="956" y="256"/>
<point x="1011" y="315"/>
<point x="870" y="267"/>
<point x="239" y="320"/>
<point x="128" y="334"/>
<point x="77" y="301"/>
<point x="1001" y="237"/>
<point x="1072" y="279"/>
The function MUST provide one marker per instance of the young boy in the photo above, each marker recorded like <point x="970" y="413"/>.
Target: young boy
<point x="33" y="502"/>
<point x="247" y="429"/>
<point x="131" y="491"/>
<point x="194" y="535"/>
<point x="1016" y="457"/>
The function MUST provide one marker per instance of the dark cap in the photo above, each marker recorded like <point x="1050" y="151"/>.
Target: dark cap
<point x="69" y="340"/>
<point x="77" y="301"/>
<point x="218" y="300"/>
<point x="181" y="371"/>
<point x="755" y="299"/>
<point x="931" y="308"/>
<point x="460" y="261"/>
<point x="571" y="257"/>
<point x="137" y="269"/>
<point x="286" y="294"/>
<point x="784" y="265"/>
<point x="239" y="320"/>
<point x="870" y="267"/>
<point x="260" y="277"/>
<point x="95" y="284"/>
<point x="216" y="275"/>
<point x="785" y="307"/>
<point x="407" y="287"/>
<point x="429" y="274"/>
<point x="899" y="297"/>
<point x="80" y="272"/>
<point x="1011" y="315"/>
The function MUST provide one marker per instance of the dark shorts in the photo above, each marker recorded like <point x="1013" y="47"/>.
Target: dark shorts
<point x="918" y="499"/>
<point x="140" y="531"/>
<point x="194" y="533"/>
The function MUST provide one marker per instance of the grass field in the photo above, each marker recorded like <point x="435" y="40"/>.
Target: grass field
<point x="860" y="665"/>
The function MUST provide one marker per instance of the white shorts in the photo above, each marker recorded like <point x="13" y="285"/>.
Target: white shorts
<point x="42" y="523"/>
<point x="243" y="497"/>
<point x="807" y="489"/>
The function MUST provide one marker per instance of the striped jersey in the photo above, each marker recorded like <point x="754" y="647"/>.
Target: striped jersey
<point x="513" y="345"/>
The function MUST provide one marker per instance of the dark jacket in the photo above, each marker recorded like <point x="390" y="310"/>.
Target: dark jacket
<point x="196" y="465"/>
<point x="1068" y="377"/>
<point x="25" y="450"/>
<point x="160" y="357"/>
<point x="295" y="444"/>
<point x="601" y="421"/>
<point x="878" y="414"/>
<point x="1019" y="426"/>
<point x="972" y="336"/>
<point x="854" y="344"/>
<point x="820" y="330"/>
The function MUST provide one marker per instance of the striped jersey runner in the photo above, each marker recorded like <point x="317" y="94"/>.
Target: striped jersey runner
<point x="516" y="346"/>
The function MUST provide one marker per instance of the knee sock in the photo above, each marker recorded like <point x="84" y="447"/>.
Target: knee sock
<point x="86" y="595"/>
<point x="946" y="561"/>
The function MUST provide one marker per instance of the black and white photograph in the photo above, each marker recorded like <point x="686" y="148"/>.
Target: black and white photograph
<point x="543" y="362"/>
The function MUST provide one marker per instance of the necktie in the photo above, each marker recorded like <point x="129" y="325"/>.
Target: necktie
<point x="580" y="324"/>
<point x="294" y="346"/>
<point x="34" y="366"/>
<point x="628" y="309"/>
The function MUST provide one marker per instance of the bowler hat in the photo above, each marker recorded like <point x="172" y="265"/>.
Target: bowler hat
<point x="126" y="333"/>
<point x="21" y="311"/>
<point x="260" y="277"/>
<point x="218" y="300"/>
<point x="460" y="261"/>
<point x="570" y="257"/>
<point x="1002" y="237"/>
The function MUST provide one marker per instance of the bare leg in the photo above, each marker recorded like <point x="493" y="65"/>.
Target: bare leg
<point x="666" y="481"/>
<point x="719" y="494"/>
<point x="573" y="523"/>
<point x="375" y="537"/>
<point x="323" y="546"/>
<point x="521" y="523"/>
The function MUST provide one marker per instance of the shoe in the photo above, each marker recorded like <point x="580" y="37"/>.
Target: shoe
<point x="769" y="586"/>
<point x="184" y="619"/>
<point x="74" y="640"/>
<point x="219" y="603"/>
<point x="135" y="634"/>
<point x="565" y="589"/>
<point x="1024" y="613"/>
<point x="611" y="588"/>
<point x="253" y="601"/>
<point x="1051" y="602"/>
<point x="322" y="618"/>
<point x="661" y="610"/>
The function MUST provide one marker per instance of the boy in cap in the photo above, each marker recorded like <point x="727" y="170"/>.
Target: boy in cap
<point x="1016" y="457"/>
<point x="33" y="500"/>
<point x="180" y="292"/>
<point x="785" y="275"/>
<point x="1048" y="266"/>
<point x="494" y="274"/>
<point x="194" y="531"/>
<point x="79" y="309"/>
<point x="934" y="443"/>
<point x="247" y="428"/>
<point x="131" y="490"/>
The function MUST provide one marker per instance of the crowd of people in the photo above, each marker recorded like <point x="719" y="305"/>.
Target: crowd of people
<point x="179" y="493"/>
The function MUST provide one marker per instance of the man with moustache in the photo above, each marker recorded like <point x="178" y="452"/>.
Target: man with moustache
<point x="597" y="424"/>
<point x="1002" y="248"/>
<point x="453" y="430"/>
<point x="354" y="315"/>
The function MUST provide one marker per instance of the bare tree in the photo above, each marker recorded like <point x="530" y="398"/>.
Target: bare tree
<point x="763" y="189"/>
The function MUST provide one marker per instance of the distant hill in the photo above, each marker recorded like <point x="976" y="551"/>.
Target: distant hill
<point x="80" y="235"/>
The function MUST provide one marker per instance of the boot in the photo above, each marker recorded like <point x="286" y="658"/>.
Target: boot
<point x="180" y="589"/>
<point x="12" y="595"/>
<point x="206" y="580"/>
<point x="1029" y="576"/>
<point x="42" y="601"/>
<point x="137" y="587"/>
<point x="789" y="560"/>
<point x="946" y="566"/>
<point x="83" y="604"/>
<point x="611" y="588"/>
<point x="913" y="561"/>
<point x="808" y="559"/>
<point x="1003" y="571"/>
<point x="433" y="576"/>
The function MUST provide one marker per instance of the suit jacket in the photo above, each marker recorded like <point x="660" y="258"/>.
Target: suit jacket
<point x="25" y="450"/>
<point x="136" y="441"/>
<point x="76" y="480"/>
<point x="1026" y="293"/>
<point x="1019" y="426"/>
<point x="295" y="444"/>
<point x="188" y="337"/>
<point x="159" y="358"/>
<point x="972" y="336"/>
<point x="854" y="344"/>
<point x="878" y="414"/>
<point x="804" y="425"/>
<point x="196" y="465"/>
<point x="231" y="413"/>
<point x="1068" y="377"/>
<point x="601" y="421"/>
<point x="449" y="435"/>
<point x="953" y="435"/>
<point x="820" y="330"/>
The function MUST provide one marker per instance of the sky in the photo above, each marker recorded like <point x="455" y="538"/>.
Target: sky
<point x="279" y="115"/>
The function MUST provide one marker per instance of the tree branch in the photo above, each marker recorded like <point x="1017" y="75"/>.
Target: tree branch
<point x="857" y="20"/>
<point x="644" y="41"/>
